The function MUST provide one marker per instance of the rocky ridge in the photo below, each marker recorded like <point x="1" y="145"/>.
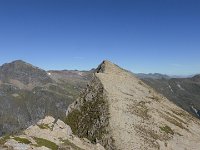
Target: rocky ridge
<point x="130" y="115"/>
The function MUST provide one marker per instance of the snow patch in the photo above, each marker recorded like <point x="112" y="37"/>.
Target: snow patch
<point x="171" y="89"/>
<point x="180" y="87"/>
<point x="49" y="73"/>
<point x="195" y="110"/>
<point x="80" y="73"/>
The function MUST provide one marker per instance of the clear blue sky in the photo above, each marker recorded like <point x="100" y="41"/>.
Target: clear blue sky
<point x="140" y="35"/>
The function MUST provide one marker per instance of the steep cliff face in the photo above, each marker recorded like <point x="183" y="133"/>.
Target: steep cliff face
<point x="121" y="112"/>
<point x="89" y="115"/>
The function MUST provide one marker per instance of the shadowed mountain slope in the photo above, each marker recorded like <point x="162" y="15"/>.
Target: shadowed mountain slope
<point x="28" y="93"/>
<point x="184" y="92"/>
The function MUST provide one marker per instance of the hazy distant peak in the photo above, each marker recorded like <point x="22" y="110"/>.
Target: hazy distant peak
<point x="196" y="78"/>
<point x="152" y="76"/>
<point x="19" y="61"/>
<point x="23" y="72"/>
<point x="18" y="64"/>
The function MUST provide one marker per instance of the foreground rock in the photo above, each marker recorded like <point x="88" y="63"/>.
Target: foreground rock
<point x="47" y="134"/>
<point x="121" y="112"/>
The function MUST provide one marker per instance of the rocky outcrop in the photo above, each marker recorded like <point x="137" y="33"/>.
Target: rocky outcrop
<point x="89" y="117"/>
<point x="47" y="134"/>
<point x="130" y="114"/>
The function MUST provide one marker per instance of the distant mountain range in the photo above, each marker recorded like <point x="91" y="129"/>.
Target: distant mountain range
<point x="28" y="93"/>
<point x="152" y="76"/>
<point x="160" y="76"/>
<point x="107" y="108"/>
<point x="96" y="110"/>
<point x="184" y="92"/>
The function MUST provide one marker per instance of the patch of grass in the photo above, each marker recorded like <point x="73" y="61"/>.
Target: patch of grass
<point x="43" y="142"/>
<point x="4" y="139"/>
<point x="93" y="112"/>
<point x="43" y="126"/>
<point x="140" y="82"/>
<point x="68" y="145"/>
<point x="149" y="136"/>
<point x="167" y="129"/>
<point x="91" y="119"/>
<point x="140" y="109"/>
<point x="155" y="97"/>
<point x="72" y="120"/>
<point x="83" y="121"/>
<point x="175" y="117"/>
<point x="179" y="113"/>
<point x="173" y="121"/>
<point x="22" y="140"/>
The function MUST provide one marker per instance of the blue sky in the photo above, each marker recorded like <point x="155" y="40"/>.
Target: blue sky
<point x="140" y="35"/>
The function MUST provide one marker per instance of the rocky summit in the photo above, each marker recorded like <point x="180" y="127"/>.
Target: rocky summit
<point x="119" y="111"/>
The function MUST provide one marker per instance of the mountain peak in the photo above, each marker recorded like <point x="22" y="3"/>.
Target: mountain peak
<point x="108" y="67"/>
<point x="196" y="78"/>
<point x="121" y="112"/>
<point x="23" y="72"/>
<point x="17" y="64"/>
<point x="19" y="61"/>
<point x="107" y="62"/>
